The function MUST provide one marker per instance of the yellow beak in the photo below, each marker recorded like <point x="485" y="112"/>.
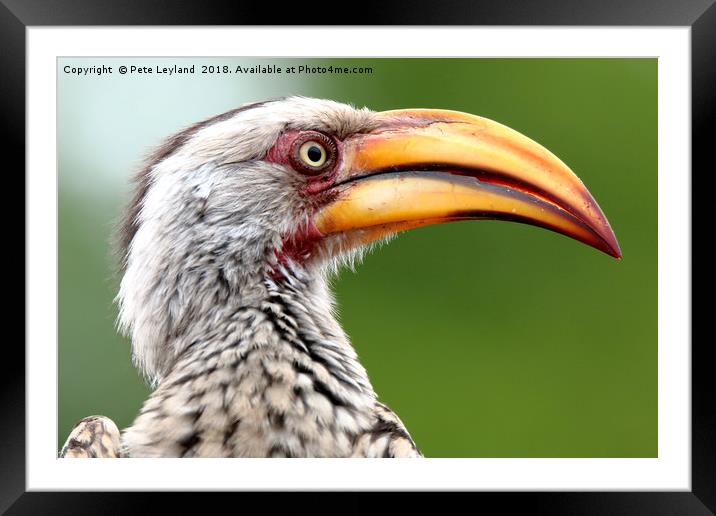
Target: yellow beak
<point x="425" y="166"/>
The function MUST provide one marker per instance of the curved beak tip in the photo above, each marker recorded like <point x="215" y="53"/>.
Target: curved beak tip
<point x="615" y="249"/>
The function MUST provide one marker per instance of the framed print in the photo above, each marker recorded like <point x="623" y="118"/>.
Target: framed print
<point x="206" y="277"/>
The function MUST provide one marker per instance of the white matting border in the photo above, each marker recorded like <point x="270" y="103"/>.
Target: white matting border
<point x="671" y="470"/>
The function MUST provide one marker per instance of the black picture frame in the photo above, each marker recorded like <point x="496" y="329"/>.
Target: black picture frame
<point x="17" y="15"/>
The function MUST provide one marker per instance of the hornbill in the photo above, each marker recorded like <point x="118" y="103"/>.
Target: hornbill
<point x="235" y="227"/>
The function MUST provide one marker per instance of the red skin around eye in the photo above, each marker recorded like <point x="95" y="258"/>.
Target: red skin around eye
<point x="279" y="153"/>
<point x="299" y="246"/>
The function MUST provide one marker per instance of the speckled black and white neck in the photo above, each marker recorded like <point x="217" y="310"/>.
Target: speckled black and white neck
<point x="274" y="378"/>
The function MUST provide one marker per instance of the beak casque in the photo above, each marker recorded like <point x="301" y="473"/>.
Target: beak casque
<point x="425" y="166"/>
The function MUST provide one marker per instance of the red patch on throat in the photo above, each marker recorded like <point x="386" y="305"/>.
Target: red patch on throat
<point x="298" y="247"/>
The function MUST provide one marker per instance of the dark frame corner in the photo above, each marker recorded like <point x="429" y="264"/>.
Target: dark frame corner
<point x="700" y="15"/>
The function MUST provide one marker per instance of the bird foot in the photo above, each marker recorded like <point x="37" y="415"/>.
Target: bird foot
<point x="92" y="437"/>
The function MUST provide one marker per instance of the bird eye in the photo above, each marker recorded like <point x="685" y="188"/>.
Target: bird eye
<point x="313" y="153"/>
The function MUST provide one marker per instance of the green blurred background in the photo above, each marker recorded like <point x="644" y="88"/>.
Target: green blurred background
<point x="489" y="339"/>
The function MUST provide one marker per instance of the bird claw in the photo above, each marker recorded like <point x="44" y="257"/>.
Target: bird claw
<point x="92" y="437"/>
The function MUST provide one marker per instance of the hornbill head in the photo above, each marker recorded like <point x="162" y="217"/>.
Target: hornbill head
<point x="258" y="192"/>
